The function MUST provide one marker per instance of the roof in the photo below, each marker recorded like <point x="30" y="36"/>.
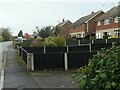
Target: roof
<point x="113" y="12"/>
<point x="85" y="18"/>
<point x="63" y="23"/>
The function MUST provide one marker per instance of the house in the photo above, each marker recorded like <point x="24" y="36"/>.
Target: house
<point x="85" y="26"/>
<point x="109" y="24"/>
<point x="64" y="28"/>
<point x="27" y="36"/>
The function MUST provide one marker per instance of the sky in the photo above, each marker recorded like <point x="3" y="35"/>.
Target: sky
<point x="25" y="15"/>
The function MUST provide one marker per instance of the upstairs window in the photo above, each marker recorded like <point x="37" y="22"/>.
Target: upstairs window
<point x="107" y="21"/>
<point x="99" y="23"/>
<point x="82" y="25"/>
<point x="78" y="26"/>
<point x="117" y="19"/>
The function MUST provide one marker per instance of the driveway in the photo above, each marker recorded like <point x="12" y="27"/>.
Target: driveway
<point x="55" y="80"/>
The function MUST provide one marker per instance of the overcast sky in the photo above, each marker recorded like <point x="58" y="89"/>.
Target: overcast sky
<point x="26" y="14"/>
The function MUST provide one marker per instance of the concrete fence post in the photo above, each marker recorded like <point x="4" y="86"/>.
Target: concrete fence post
<point x="65" y="43"/>
<point x="32" y="61"/>
<point x="78" y="42"/>
<point x="98" y="53"/>
<point x="106" y="40"/>
<point x="67" y="49"/>
<point x="66" y="61"/>
<point x="92" y="41"/>
<point x="28" y="61"/>
<point x="44" y="49"/>
<point x="90" y="47"/>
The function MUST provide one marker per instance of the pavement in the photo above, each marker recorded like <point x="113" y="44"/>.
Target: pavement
<point x="55" y="80"/>
<point x="18" y="78"/>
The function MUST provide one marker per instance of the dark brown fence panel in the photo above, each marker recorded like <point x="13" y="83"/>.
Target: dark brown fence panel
<point x="34" y="49"/>
<point x="78" y="48"/>
<point x="24" y="56"/>
<point x="56" y="49"/>
<point x="49" y="60"/>
<point x="77" y="60"/>
<point x="99" y="41"/>
<point x="97" y="47"/>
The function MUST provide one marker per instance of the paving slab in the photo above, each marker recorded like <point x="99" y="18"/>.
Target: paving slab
<point x="17" y="76"/>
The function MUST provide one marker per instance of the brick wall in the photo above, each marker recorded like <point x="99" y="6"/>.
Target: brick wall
<point x="111" y="25"/>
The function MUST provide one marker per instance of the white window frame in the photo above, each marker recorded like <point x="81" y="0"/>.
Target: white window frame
<point x="117" y="19"/>
<point x="117" y="33"/>
<point x="99" y="23"/>
<point x="107" y="21"/>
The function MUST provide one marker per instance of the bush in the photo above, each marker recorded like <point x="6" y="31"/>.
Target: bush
<point x="55" y="41"/>
<point x="37" y="43"/>
<point x="15" y="44"/>
<point x="102" y="71"/>
<point x="26" y="44"/>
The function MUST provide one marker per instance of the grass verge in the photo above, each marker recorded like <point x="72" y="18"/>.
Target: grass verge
<point x="20" y="61"/>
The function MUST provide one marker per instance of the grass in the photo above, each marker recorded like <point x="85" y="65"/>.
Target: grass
<point x="20" y="61"/>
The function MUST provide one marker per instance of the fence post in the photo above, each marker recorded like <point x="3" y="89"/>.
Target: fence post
<point x="78" y="42"/>
<point x="106" y="40"/>
<point x="90" y="47"/>
<point x="28" y="61"/>
<point x="44" y="49"/>
<point x="66" y="61"/>
<point x="92" y="41"/>
<point x="98" y="53"/>
<point x="65" y="43"/>
<point x="32" y="61"/>
<point x="67" y="49"/>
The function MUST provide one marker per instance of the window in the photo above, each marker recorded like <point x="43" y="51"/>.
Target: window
<point x="107" y="21"/>
<point x="78" y="35"/>
<point x="106" y="35"/>
<point x="99" y="23"/>
<point x="117" y="33"/>
<point x="78" y="26"/>
<point x="82" y="25"/>
<point x="117" y="19"/>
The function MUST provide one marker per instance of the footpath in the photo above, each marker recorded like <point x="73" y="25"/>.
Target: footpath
<point x="16" y="76"/>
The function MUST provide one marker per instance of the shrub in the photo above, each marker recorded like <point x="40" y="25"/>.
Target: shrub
<point x="37" y="43"/>
<point x="102" y="71"/>
<point x="55" y="41"/>
<point x="15" y="44"/>
<point x="26" y="44"/>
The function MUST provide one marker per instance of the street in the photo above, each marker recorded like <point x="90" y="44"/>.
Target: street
<point x="3" y="47"/>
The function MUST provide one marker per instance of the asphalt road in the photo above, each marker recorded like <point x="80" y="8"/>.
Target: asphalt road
<point x="3" y="47"/>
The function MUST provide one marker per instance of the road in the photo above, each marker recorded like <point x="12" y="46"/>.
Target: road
<point x="3" y="47"/>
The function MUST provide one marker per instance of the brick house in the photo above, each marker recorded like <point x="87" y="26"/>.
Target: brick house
<point x="109" y="23"/>
<point x="85" y="26"/>
<point x="64" y="28"/>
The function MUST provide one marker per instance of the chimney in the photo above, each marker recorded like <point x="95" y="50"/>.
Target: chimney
<point x="63" y="20"/>
<point x="92" y="12"/>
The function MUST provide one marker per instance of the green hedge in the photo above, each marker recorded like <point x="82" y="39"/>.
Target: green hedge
<point x="102" y="71"/>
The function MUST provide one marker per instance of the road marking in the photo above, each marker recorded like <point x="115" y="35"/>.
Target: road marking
<point x="3" y="70"/>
